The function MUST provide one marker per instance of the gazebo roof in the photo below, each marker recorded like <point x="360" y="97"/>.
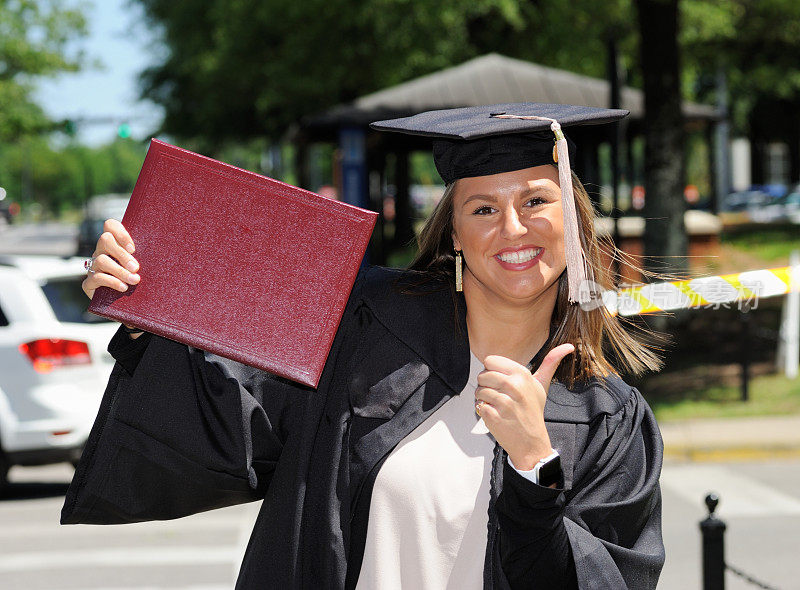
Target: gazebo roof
<point x="489" y="79"/>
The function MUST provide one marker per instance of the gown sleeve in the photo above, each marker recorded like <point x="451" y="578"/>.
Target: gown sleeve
<point x="179" y="431"/>
<point x="605" y="531"/>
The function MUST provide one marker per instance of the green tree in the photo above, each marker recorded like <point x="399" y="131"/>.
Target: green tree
<point x="63" y="179"/>
<point x="756" y="42"/>
<point x="251" y="68"/>
<point x="33" y="42"/>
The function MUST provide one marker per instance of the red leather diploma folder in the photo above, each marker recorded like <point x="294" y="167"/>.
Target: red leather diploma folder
<point x="238" y="264"/>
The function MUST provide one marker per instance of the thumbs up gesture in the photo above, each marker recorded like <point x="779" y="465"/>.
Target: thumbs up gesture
<point x="511" y="402"/>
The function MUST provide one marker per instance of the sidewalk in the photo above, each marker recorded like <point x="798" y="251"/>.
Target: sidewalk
<point x="731" y="439"/>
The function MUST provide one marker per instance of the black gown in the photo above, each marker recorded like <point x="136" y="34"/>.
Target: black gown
<point x="181" y="431"/>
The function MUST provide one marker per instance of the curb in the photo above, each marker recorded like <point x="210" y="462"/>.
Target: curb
<point x="732" y="439"/>
<point x="681" y="454"/>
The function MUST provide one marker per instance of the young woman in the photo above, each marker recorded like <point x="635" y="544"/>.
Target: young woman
<point x="437" y="451"/>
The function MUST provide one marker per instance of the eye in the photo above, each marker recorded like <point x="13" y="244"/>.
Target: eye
<point x="483" y="210"/>
<point x="534" y="201"/>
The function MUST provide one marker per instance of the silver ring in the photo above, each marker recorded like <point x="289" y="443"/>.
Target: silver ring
<point x="88" y="264"/>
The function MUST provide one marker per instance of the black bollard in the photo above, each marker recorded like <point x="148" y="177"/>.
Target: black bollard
<point x="713" y="530"/>
<point x="745" y="349"/>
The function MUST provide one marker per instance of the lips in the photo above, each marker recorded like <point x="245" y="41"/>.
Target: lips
<point x="520" y="256"/>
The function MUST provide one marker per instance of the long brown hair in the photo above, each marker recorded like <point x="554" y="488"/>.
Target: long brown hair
<point x="603" y="343"/>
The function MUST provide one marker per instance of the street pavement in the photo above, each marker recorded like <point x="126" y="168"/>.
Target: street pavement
<point x="760" y="503"/>
<point x="52" y="238"/>
<point x="36" y="553"/>
<point x="754" y="437"/>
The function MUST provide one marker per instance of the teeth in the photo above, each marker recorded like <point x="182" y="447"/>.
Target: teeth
<point x="520" y="257"/>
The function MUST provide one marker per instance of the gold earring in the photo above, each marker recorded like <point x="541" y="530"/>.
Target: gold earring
<point x="459" y="281"/>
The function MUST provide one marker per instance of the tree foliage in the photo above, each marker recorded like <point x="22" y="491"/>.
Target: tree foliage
<point x="245" y="68"/>
<point x="755" y="42"/>
<point x="33" y="42"/>
<point x="63" y="178"/>
<point x="242" y="68"/>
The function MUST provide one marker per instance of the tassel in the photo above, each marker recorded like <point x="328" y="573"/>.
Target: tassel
<point x="578" y="270"/>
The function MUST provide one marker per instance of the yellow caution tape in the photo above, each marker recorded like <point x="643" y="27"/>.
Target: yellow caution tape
<point x="707" y="292"/>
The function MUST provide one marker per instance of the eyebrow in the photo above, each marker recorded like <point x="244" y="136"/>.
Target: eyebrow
<point x="526" y="193"/>
<point x="489" y="198"/>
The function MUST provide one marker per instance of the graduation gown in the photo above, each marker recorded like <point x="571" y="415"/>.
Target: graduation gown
<point x="181" y="431"/>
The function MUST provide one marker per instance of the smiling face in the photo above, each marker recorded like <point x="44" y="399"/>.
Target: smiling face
<point x="511" y="230"/>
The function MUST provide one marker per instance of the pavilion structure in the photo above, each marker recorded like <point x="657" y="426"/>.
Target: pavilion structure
<point x="492" y="78"/>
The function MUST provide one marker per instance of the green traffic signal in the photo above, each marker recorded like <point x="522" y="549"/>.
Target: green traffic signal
<point x="124" y="131"/>
<point x="69" y="127"/>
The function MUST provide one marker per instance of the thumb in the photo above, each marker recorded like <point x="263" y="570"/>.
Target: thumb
<point x="544" y="374"/>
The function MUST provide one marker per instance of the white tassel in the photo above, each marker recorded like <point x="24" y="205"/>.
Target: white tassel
<point x="578" y="270"/>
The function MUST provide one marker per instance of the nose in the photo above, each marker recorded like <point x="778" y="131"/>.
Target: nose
<point x="512" y="224"/>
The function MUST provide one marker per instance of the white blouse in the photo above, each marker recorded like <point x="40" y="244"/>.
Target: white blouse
<point x="428" y="512"/>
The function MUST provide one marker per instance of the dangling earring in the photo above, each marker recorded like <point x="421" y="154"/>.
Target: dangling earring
<point x="459" y="281"/>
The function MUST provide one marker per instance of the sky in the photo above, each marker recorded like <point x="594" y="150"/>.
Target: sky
<point x="118" y="39"/>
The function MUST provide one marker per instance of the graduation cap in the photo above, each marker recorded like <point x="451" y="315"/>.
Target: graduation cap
<point x="489" y="139"/>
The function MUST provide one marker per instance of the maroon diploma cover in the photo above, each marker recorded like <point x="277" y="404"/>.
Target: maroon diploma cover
<point x="238" y="264"/>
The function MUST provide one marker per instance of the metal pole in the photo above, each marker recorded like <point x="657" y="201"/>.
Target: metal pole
<point x="746" y="348"/>
<point x="713" y="530"/>
<point x="722" y="131"/>
<point x="791" y="327"/>
<point x="615" y="100"/>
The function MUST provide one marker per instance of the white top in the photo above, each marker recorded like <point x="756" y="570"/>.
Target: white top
<point x="428" y="512"/>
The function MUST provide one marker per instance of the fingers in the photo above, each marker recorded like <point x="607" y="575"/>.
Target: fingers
<point x="101" y="279"/>
<point x="492" y="397"/>
<point x="488" y="412"/>
<point x="550" y="363"/>
<point x="107" y="244"/>
<point x="113" y="265"/>
<point x="502" y="364"/>
<point x="510" y="377"/>
<point x="121" y="235"/>
<point x="105" y="265"/>
<point x="495" y="379"/>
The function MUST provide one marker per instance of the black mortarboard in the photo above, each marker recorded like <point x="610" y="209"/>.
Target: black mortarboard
<point x="489" y="139"/>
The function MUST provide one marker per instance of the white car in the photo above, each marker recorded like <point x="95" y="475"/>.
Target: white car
<point x="53" y="361"/>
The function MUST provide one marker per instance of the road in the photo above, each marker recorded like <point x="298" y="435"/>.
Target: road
<point x="760" y="504"/>
<point x="199" y="553"/>
<point x="58" y="239"/>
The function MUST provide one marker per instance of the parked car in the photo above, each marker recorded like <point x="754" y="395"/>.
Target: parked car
<point x="53" y="361"/>
<point x="789" y="207"/>
<point x="745" y="201"/>
<point x="98" y="209"/>
<point x="7" y="208"/>
<point x="5" y="212"/>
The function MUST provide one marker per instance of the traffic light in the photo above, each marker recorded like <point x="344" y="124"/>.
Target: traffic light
<point x="124" y="130"/>
<point x="69" y="127"/>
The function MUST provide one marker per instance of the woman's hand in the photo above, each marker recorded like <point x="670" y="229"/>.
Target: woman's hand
<point x="114" y="265"/>
<point x="513" y="405"/>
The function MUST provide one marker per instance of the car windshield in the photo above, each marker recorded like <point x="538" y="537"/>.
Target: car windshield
<point x="69" y="302"/>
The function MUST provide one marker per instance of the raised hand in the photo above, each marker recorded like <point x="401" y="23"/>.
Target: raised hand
<point x="511" y="402"/>
<point x="113" y="264"/>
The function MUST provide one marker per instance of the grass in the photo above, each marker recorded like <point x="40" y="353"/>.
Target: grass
<point x="768" y="395"/>
<point x="770" y="244"/>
